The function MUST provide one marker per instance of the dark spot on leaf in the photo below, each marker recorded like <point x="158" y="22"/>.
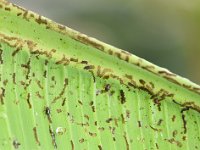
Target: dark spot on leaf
<point x="111" y="93"/>
<point x="5" y="82"/>
<point x="84" y="62"/>
<point x="109" y="120"/>
<point x="142" y="81"/>
<point x="89" y="67"/>
<point x="2" y="95"/>
<point x="157" y="146"/>
<point x="173" y="118"/>
<point x="122" y="97"/>
<point x="45" y="74"/>
<point x="7" y="9"/>
<point x="48" y="113"/>
<point x="82" y="140"/>
<point x="174" y="133"/>
<point x="16" y="144"/>
<point x="14" y="80"/>
<point x="40" y="20"/>
<point x="107" y="87"/>
<point x="139" y="124"/>
<point x="1" y="56"/>
<point x="127" y="114"/>
<point x="100" y="147"/>
<point x="92" y="134"/>
<point x="184" y="138"/>
<point x="19" y="14"/>
<point x="53" y="78"/>
<point x="74" y="59"/>
<point x="123" y="120"/>
<point x="80" y="102"/>
<point x="86" y="116"/>
<point x="159" y="122"/>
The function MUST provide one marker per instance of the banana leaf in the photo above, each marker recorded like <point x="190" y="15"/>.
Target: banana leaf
<point x="60" y="89"/>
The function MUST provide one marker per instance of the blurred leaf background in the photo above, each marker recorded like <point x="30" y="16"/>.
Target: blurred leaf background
<point x="166" y="33"/>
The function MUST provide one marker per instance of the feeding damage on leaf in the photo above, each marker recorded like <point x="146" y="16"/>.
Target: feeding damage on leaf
<point x="89" y="96"/>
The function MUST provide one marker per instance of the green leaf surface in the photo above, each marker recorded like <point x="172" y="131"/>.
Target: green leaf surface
<point x="61" y="89"/>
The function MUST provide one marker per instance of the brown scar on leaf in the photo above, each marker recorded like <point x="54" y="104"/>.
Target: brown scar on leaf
<point x="126" y="141"/>
<point x="184" y="119"/>
<point x="89" y="67"/>
<point x="173" y="141"/>
<point x="173" y="118"/>
<point x="14" y="78"/>
<point x="122" y="97"/>
<point x="45" y="74"/>
<point x="72" y="144"/>
<point x="36" y="136"/>
<point x="7" y="9"/>
<point x="28" y="67"/>
<point x="53" y="137"/>
<point x="2" y="95"/>
<point x="63" y="102"/>
<point x="48" y="54"/>
<point x="155" y="129"/>
<point x="100" y="147"/>
<point x="93" y="76"/>
<point x="84" y="39"/>
<point x="39" y="95"/>
<point x="63" y="61"/>
<point x="81" y="140"/>
<point x="39" y="84"/>
<point x="109" y="120"/>
<point x="48" y="114"/>
<point x="159" y="122"/>
<point x="1" y="56"/>
<point x="186" y="107"/>
<point x="16" y="51"/>
<point x="166" y="73"/>
<point x="92" y="134"/>
<point x="80" y="102"/>
<point x="73" y="59"/>
<point x="28" y="101"/>
<point x="107" y="87"/>
<point x="123" y="119"/>
<point x="40" y="20"/>
<point x="5" y="82"/>
<point x="139" y="124"/>
<point x="84" y="62"/>
<point x="101" y="72"/>
<point x="62" y="92"/>
<point x="174" y="133"/>
<point x="31" y="45"/>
